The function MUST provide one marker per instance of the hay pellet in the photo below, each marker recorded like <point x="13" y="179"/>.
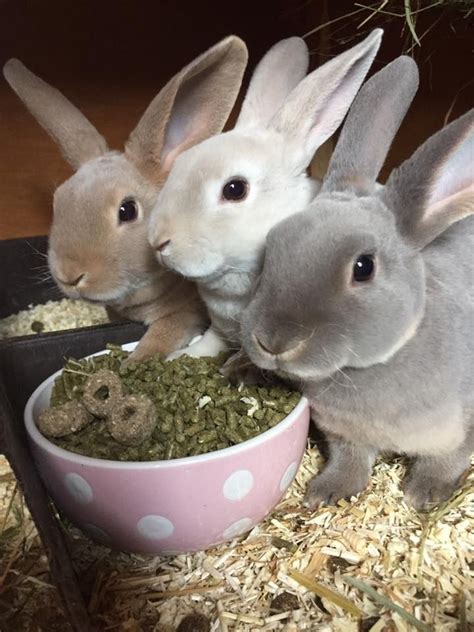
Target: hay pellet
<point x="191" y="431"/>
<point x="195" y="622"/>
<point x="166" y="427"/>
<point x="132" y="419"/>
<point x="64" y="419"/>
<point x="284" y="602"/>
<point x="185" y="394"/>
<point x="101" y="392"/>
<point x="207" y="437"/>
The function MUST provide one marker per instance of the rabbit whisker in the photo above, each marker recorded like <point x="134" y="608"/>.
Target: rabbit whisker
<point x="36" y="251"/>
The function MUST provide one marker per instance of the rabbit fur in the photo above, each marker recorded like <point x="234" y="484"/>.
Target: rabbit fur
<point x="284" y="118"/>
<point x="387" y="363"/>
<point x="94" y="255"/>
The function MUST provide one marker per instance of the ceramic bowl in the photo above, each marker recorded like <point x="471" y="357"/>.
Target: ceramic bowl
<point x="166" y="507"/>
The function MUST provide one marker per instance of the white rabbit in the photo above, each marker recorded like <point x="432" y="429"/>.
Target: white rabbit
<point x="222" y="197"/>
<point x="98" y="247"/>
<point x="366" y="300"/>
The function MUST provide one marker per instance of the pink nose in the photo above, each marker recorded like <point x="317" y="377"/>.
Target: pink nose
<point x="73" y="282"/>
<point x="163" y="245"/>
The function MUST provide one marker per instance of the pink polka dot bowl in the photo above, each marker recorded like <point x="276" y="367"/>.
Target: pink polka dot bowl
<point x="168" y="507"/>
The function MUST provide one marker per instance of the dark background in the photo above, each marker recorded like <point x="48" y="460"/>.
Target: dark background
<point x="111" y="57"/>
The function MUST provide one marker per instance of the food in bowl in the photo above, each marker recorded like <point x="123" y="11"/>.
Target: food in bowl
<point x="164" y="507"/>
<point x="157" y="409"/>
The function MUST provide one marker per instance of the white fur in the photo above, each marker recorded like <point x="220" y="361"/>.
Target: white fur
<point x="220" y="243"/>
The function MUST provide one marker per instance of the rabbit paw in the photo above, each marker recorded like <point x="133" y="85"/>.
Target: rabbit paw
<point x="238" y="368"/>
<point x="140" y="354"/>
<point x="329" y="487"/>
<point x="177" y="354"/>
<point x="209" y="344"/>
<point x="422" y="492"/>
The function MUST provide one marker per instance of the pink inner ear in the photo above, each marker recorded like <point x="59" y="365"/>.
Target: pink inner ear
<point x="180" y="137"/>
<point x="456" y="175"/>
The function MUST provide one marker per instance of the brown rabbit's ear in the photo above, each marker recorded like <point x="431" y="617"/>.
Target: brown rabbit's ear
<point x="194" y="105"/>
<point x="435" y="187"/>
<point x="76" y="136"/>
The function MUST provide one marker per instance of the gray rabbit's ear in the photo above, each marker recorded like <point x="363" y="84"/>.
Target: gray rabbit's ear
<point x="76" y="136"/>
<point x="194" y="105"/>
<point x="435" y="187"/>
<point x="278" y="72"/>
<point x="370" y="127"/>
<point x="318" y="104"/>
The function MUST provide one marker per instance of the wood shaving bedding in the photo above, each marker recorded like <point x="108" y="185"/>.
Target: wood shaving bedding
<point x="420" y="566"/>
<point x="52" y="316"/>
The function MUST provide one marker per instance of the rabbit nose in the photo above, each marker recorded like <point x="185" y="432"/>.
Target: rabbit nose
<point x="72" y="282"/>
<point x="264" y="346"/>
<point x="277" y="346"/>
<point x="161" y="247"/>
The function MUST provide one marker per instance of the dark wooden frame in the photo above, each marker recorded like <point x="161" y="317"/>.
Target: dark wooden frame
<point x="24" y="363"/>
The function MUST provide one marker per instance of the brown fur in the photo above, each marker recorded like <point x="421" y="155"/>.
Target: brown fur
<point x="118" y="266"/>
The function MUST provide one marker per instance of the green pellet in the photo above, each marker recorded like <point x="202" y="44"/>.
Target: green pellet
<point x="195" y="429"/>
<point x="207" y="437"/>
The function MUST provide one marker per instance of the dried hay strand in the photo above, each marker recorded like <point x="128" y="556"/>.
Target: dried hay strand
<point x="369" y="564"/>
<point x="415" y="19"/>
<point x="28" y="599"/>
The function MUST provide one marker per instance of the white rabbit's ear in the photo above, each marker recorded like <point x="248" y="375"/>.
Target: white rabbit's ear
<point x="76" y="136"/>
<point x="370" y="127"/>
<point x="435" y="187"/>
<point x="316" y="107"/>
<point x="194" y="105"/>
<point x="278" y="72"/>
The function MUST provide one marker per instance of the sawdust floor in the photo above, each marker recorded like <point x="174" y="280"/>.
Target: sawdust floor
<point x="372" y="564"/>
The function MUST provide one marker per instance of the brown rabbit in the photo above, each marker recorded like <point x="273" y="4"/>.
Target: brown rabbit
<point x="98" y="248"/>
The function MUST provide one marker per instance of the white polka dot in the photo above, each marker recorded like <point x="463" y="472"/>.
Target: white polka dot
<point x="96" y="532"/>
<point x="79" y="488"/>
<point x="155" y="527"/>
<point x="238" y="485"/>
<point x="237" y="528"/>
<point x="288" y="476"/>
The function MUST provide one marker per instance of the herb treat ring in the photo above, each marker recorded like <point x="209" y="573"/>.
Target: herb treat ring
<point x="102" y="391"/>
<point x="131" y="419"/>
<point x="65" y="419"/>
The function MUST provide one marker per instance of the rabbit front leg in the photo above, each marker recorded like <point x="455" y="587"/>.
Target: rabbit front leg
<point x="114" y="316"/>
<point x="211" y="344"/>
<point x="346" y="473"/>
<point x="433" y="479"/>
<point x="166" y="334"/>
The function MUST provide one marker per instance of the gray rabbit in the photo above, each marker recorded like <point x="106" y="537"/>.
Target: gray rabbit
<point x="366" y="300"/>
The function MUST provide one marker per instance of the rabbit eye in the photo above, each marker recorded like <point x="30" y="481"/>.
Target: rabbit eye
<point x="363" y="269"/>
<point x="235" y="190"/>
<point x="128" y="211"/>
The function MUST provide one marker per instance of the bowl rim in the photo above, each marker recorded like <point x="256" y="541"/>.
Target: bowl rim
<point x="54" y="450"/>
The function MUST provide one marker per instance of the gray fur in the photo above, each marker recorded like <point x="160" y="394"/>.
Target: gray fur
<point x="387" y="96"/>
<point x="388" y="364"/>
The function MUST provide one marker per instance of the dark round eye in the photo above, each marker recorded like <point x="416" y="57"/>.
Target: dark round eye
<point x="128" y="211"/>
<point x="364" y="268"/>
<point x="235" y="190"/>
